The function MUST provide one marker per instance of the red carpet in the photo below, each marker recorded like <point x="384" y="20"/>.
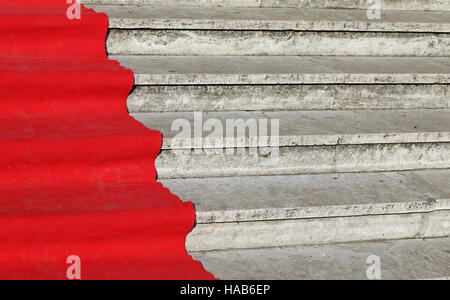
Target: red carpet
<point x="77" y="173"/>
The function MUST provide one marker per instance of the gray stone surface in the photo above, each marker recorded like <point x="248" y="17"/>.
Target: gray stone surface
<point x="302" y="160"/>
<point x="198" y="3"/>
<point x="286" y="97"/>
<point x="264" y="198"/>
<point x="260" y="212"/>
<point x="232" y="70"/>
<point x="229" y="18"/>
<point x="358" y="4"/>
<point x="311" y="128"/>
<point x="245" y="32"/>
<point x="403" y="259"/>
<point x="284" y="43"/>
<point x="386" y="4"/>
<point x="281" y="233"/>
<point x="386" y="65"/>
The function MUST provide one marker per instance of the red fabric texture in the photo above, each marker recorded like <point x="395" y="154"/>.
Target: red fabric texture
<point x="77" y="174"/>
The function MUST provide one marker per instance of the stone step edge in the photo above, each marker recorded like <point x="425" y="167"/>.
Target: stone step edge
<point x="278" y="130"/>
<point x="299" y="19"/>
<point x="178" y="99"/>
<point x="274" y="214"/>
<point x="288" y="79"/>
<point x="335" y="4"/>
<point x="320" y="231"/>
<point x="285" y="70"/>
<point x="304" y="141"/>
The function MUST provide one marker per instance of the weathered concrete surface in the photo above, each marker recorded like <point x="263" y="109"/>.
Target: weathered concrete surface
<point x="259" y="212"/>
<point x="265" y="198"/>
<point x="229" y="18"/>
<point x="402" y="65"/>
<point x="403" y="259"/>
<point x="199" y="3"/>
<point x="307" y="128"/>
<point x="237" y="70"/>
<point x="233" y="37"/>
<point x="281" y="233"/>
<point x="440" y="5"/>
<point x="283" y="43"/>
<point x="286" y="97"/>
<point x="302" y="160"/>
<point x="386" y="4"/>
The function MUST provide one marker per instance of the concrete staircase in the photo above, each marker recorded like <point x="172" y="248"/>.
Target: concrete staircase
<point x="362" y="150"/>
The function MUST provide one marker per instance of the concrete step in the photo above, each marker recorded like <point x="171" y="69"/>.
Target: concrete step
<point x="146" y="30"/>
<point x="288" y="97"/>
<point x="282" y="70"/>
<point x="287" y="83"/>
<point x="278" y="211"/>
<point x="300" y="142"/>
<point x="271" y="19"/>
<point x="442" y="5"/>
<point x="210" y="42"/>
<point x="397" y="260"/>
<point x="311" y="128"/>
